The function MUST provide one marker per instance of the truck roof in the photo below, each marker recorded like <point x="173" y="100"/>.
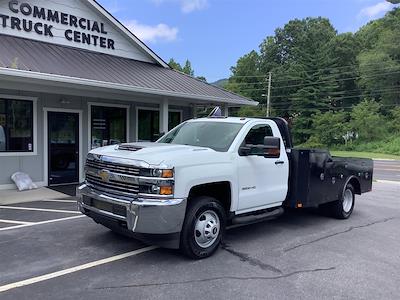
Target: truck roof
<point x="238" y="120"/>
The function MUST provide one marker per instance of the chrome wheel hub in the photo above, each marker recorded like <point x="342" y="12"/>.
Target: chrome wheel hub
<point x="347" y="200"/>
<point x="206" y="229"/>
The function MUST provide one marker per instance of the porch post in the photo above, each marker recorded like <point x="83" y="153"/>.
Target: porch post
<point x="226" y="110"/>
<point x="164" y="108"/>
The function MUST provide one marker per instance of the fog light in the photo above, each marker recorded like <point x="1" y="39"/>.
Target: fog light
<point x="166" y="190"/>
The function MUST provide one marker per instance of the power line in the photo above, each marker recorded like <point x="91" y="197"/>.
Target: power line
<point x="327" y="108"/>
<point x="333" y="99"/>
<point x="309" y="75"/>
<point x="324" y="81"/>
<point x="393" y="88"/>
<point x="316" y="69"/>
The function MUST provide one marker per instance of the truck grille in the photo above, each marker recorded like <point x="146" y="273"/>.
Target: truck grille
<point x="117" y="183"/>
<point x="113" y="167"/>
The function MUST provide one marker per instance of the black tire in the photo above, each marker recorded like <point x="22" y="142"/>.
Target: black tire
<point x="197" y="207"/>
<point x="337" y="208"/>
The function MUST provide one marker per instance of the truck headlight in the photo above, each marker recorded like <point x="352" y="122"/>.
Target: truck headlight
<point x="158" y="173"/>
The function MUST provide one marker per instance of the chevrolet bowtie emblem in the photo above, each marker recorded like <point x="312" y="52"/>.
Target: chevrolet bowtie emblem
<point x="105" y="175"/>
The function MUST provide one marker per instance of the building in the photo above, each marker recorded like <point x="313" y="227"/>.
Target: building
<point x="72" y="78"/>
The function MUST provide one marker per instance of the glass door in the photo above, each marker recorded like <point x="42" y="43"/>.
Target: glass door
<point x="148" y="125"/>
<point x="63" y="147"/>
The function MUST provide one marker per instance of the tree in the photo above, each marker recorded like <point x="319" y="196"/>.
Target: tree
<point x="320" y="74"/>
<point x="395" y="120"/>
<point x="187" y="68"/>
<point x="175" y="65"/>
<point x="367" y="121"/>
<point x="329" y="128"/>
<point x="252" y="111"/>
<point x="246" y="78"/>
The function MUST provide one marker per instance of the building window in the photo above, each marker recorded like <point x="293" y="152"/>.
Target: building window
<point x="174" y="119"/>
<point x="108" y="126"/>
<point x="148" y="125"/>
<point x="16" y="125"/>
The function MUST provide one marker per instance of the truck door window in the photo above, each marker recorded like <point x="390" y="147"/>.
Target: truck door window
<point x="256" y="137"/>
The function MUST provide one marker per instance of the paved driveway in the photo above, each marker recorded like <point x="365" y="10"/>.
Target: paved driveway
<point x="50" y="251"/>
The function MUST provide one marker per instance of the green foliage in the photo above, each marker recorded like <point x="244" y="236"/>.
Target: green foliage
<point x="239" y="82"/>
<point x="367" y="122"/>
<point x="251" y="111"/>
<point x="187" y="68"/>
<point x="320" y="80"/>
<point x="389" y="145"/>
<point x="330" y="127"/>
<point x="394" y="123"/>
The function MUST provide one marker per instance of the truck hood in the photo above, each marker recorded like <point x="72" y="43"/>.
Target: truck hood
<point x="156" y="154"/>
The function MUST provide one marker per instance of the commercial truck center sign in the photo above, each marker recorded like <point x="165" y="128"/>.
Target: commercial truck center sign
<point x="81" y="30"/>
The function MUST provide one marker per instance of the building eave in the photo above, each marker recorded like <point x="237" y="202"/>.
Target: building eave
<point x="21" y="75"/>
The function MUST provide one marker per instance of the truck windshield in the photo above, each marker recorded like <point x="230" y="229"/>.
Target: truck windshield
<point x="215" y="135"/>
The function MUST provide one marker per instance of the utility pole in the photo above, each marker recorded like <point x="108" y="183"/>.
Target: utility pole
<point x="269" y="94"/>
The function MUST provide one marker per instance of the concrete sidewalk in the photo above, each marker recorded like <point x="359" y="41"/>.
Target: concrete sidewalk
<point x="15" y="196"/>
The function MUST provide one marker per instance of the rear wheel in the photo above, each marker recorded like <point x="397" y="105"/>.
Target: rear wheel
<point x="204" y="227"/>
<point x="343" y="208"/>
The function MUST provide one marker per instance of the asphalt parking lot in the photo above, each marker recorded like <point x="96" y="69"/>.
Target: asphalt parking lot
<point x="50" y="251"/>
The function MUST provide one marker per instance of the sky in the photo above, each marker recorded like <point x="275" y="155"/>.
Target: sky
<point x="213" y="34"/>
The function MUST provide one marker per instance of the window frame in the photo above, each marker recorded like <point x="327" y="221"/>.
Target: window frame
<point x="101" y="104"/>
<point x="243" y="143"/>
<point x="34" y="151"/>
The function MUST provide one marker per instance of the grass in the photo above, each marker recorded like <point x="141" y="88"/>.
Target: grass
<point x="365" y="155"/>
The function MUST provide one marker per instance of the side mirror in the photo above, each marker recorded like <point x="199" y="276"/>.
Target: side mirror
<point x="244" y="151"/>
<point x="272" y="147"/>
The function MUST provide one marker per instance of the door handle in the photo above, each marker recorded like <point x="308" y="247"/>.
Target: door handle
<point x="279" y="162"/>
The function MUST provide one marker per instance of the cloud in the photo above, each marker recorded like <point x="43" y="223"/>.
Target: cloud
<point x="148" y="33"/>
<point x="187" y="6"/>
<point x="113" y="7"/>
<point x="373" y="11"/>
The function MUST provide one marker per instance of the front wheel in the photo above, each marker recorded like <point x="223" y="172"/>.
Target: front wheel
<point x="204" y="227"/>
<point x="343" y="208"/>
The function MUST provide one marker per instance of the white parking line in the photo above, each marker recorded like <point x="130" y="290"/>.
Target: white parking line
<point x="41" y="209"/>
<point x="388" y="181"/>
<point x="62" y="201"/>
<point x="41" y="223"/>
<point x="15" y="222"/>
<point x="93" y="264"/>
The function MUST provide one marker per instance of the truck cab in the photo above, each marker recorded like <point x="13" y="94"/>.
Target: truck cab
<point x="183" y="190"/>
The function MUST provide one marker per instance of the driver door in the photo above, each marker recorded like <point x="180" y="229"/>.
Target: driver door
<point x="263" y="182"/>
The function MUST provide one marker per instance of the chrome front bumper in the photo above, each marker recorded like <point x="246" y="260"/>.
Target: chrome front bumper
<point x="144" y="216"/>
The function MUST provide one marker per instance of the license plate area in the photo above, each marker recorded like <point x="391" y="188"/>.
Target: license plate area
<point x="115" y="209"/>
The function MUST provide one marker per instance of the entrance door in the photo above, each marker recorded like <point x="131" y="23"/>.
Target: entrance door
<point x="63" y="145"/>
